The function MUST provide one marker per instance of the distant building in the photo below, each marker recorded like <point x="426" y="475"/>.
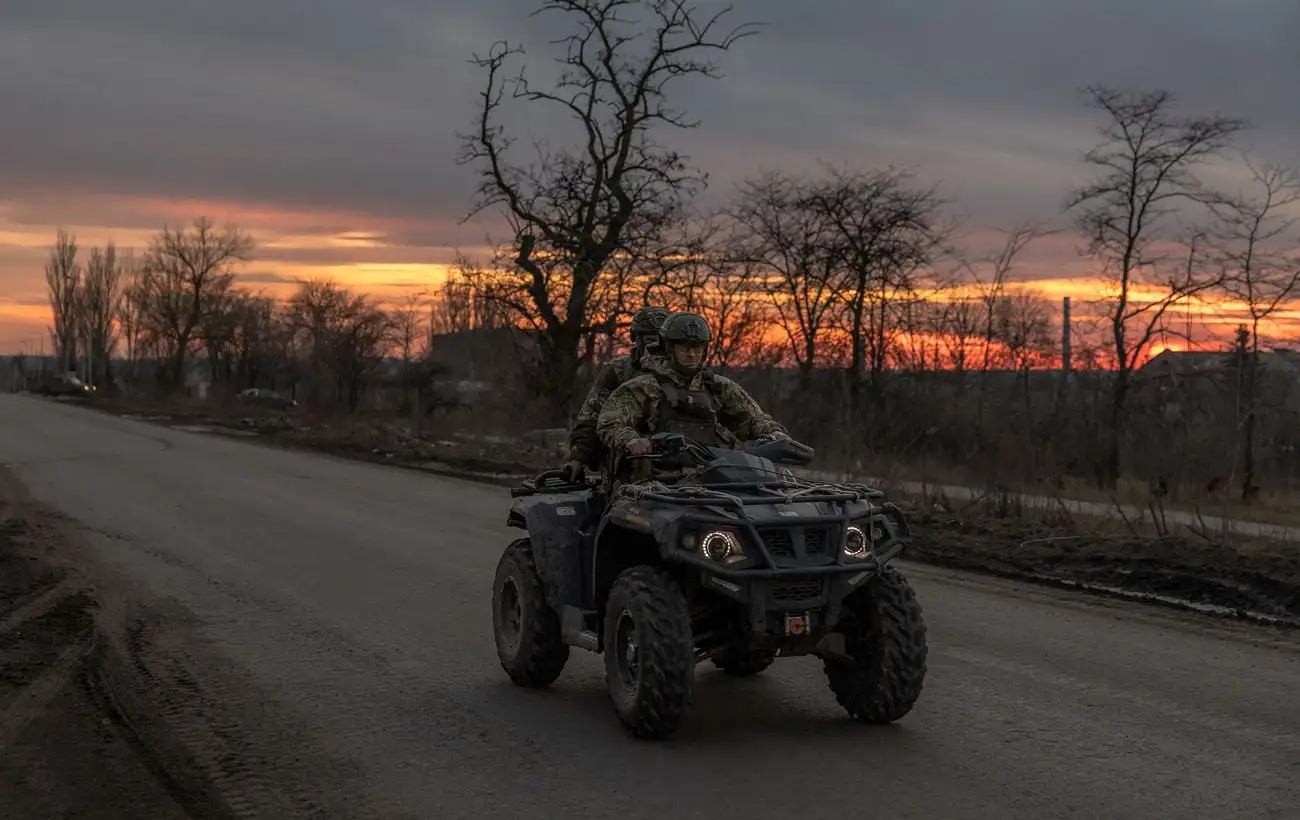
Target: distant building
<point x="1182" y="376"/>
<point x="1173" y="363"/>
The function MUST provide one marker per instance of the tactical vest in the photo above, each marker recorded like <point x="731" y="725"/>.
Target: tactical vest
<point x="692" y="413"/>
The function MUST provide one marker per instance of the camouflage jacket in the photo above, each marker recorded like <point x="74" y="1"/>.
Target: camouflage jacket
<point x="631" y="410"/>
<point x="584" y="443"/>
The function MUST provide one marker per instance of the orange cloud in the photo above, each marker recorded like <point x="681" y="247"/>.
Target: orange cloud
<point x="22" y="326"/>
<point x="386" y="257"/>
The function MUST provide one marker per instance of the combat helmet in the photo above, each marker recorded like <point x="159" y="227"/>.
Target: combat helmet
<point x="647" y="321"/>
<point x="685" y="327"/>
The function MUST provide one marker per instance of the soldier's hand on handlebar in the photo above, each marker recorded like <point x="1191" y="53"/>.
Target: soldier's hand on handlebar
<point x="574" y="471"/>
<point x="638" y="447"/>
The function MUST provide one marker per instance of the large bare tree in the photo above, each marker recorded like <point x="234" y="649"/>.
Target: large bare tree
<point x="576" y="208"/>
<point x="1257" y="242"/>
<point x="888" y="230"/>
<point x="63" y="282"/>
<point x="1146" y="187"/>
<point x="101" y="302"/>
<point x="183" y="273"/>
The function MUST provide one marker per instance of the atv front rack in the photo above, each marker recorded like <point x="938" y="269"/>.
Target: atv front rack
<point x="764" y="493"/>
<point x="895" y="528"/>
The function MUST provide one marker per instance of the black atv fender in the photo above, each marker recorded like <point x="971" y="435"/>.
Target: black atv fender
<point x="625" y="538"/>
<point x="555" y="530"/>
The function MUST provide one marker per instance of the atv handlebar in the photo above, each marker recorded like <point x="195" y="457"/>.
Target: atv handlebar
<point x="784" y="451"/>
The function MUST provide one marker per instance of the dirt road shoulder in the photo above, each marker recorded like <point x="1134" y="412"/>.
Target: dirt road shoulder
<point x="110" y="706"/>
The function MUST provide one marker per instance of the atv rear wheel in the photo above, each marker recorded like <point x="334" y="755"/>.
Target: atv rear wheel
<point x="742" y="663"/>
<point x="649" y="652"/>
<point x="885" y="635"/>
<point x="530" y="643"/>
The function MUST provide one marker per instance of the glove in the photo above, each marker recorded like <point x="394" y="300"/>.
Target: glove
<point x="638" y="447"/>
<point x="767" y="438"/>
<point x="574" y="471"/>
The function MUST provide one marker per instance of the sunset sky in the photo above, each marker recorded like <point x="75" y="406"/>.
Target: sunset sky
<point x="328" y="128"/>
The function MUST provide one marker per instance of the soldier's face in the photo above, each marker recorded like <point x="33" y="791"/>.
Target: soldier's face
<point x="688" y="355"/>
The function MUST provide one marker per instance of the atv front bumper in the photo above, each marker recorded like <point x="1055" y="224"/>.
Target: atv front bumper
<point x="792" y="605"/>
<point x="793" y="609"/>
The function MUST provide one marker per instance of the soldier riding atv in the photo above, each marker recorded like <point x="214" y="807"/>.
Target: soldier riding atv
<point x="694" y="549"/>
<point x="585" y="448"/>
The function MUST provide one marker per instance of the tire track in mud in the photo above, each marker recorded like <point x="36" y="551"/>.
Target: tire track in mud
<point x="217" y="770"/>
<point x="43" y="641"/>
<point x="45" y="598"/>
<point x="22" y="708"/>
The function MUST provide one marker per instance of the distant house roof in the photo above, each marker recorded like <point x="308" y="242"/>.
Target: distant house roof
<point x="1189" y="362"/>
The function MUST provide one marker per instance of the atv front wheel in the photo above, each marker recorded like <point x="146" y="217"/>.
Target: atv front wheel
<point x="741" y="663"/>
<point x="530" y="643"/>
<point x="885" y="635"/>
<point x="649" y="652"/>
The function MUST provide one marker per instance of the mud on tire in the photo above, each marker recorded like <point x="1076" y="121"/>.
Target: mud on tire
<point x="650" y="683"/>
<point x="529" y="640"/>
<point x="741" y="663"/>
<point x="885" y="634"/>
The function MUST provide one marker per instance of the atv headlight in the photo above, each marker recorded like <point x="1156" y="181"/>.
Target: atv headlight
<point x="856" y="544"/>
<point x="720" y="546"/>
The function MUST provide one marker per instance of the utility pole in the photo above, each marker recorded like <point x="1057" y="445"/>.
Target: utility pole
<point x="1066" y="353"/>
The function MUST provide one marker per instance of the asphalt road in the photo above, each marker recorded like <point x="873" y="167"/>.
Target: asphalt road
<point x="358" y="596"/>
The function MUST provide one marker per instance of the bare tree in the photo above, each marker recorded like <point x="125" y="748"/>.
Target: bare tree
<point x="455" y="305"/>
<point x="710" y="275"/>
<point x="926" y="326"/>
<point x="101" y="303"/>
<point x="247" y="339"/>
<point x="218" y="330"/>
<point x="63" y="282"/>
<point x="131" y="320"/>
<point x="410" y="337"/>
<point x="989" y="278"/>
<point x="887" y="230"/>
<point x="1146" y="166"/>
<point x="345" y="336"/>
<point x="575" y="209"/>
<point x="410" y="325"/>
<point x="1024" y="331"/>
<point x="1257" y="244"/>
<point x="182" y="273"/>
<point x="729" y="300"/>
<point x="991" y="283"/>
<point x="787" y="234"/>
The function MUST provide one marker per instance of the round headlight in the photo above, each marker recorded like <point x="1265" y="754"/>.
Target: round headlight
<point x="718" y="546"/>
<point x="855" y="542"/>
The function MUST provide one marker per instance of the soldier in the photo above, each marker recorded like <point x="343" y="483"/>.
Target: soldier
<point x="585" y="447"/>
<point x="678" y="394"/>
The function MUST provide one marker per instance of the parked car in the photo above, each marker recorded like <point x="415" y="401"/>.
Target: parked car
<point x="64" y="384"/>
<point x="267" y="398"/>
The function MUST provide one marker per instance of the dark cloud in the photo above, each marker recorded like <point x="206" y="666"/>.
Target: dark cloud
<point x="259" y="277"/>
<point x="353" y="107"/>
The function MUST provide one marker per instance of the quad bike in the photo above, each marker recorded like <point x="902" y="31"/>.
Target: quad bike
<point x="702" y="553"/>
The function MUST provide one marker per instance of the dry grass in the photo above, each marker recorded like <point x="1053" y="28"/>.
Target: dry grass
<point x="1281" y="508"/>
